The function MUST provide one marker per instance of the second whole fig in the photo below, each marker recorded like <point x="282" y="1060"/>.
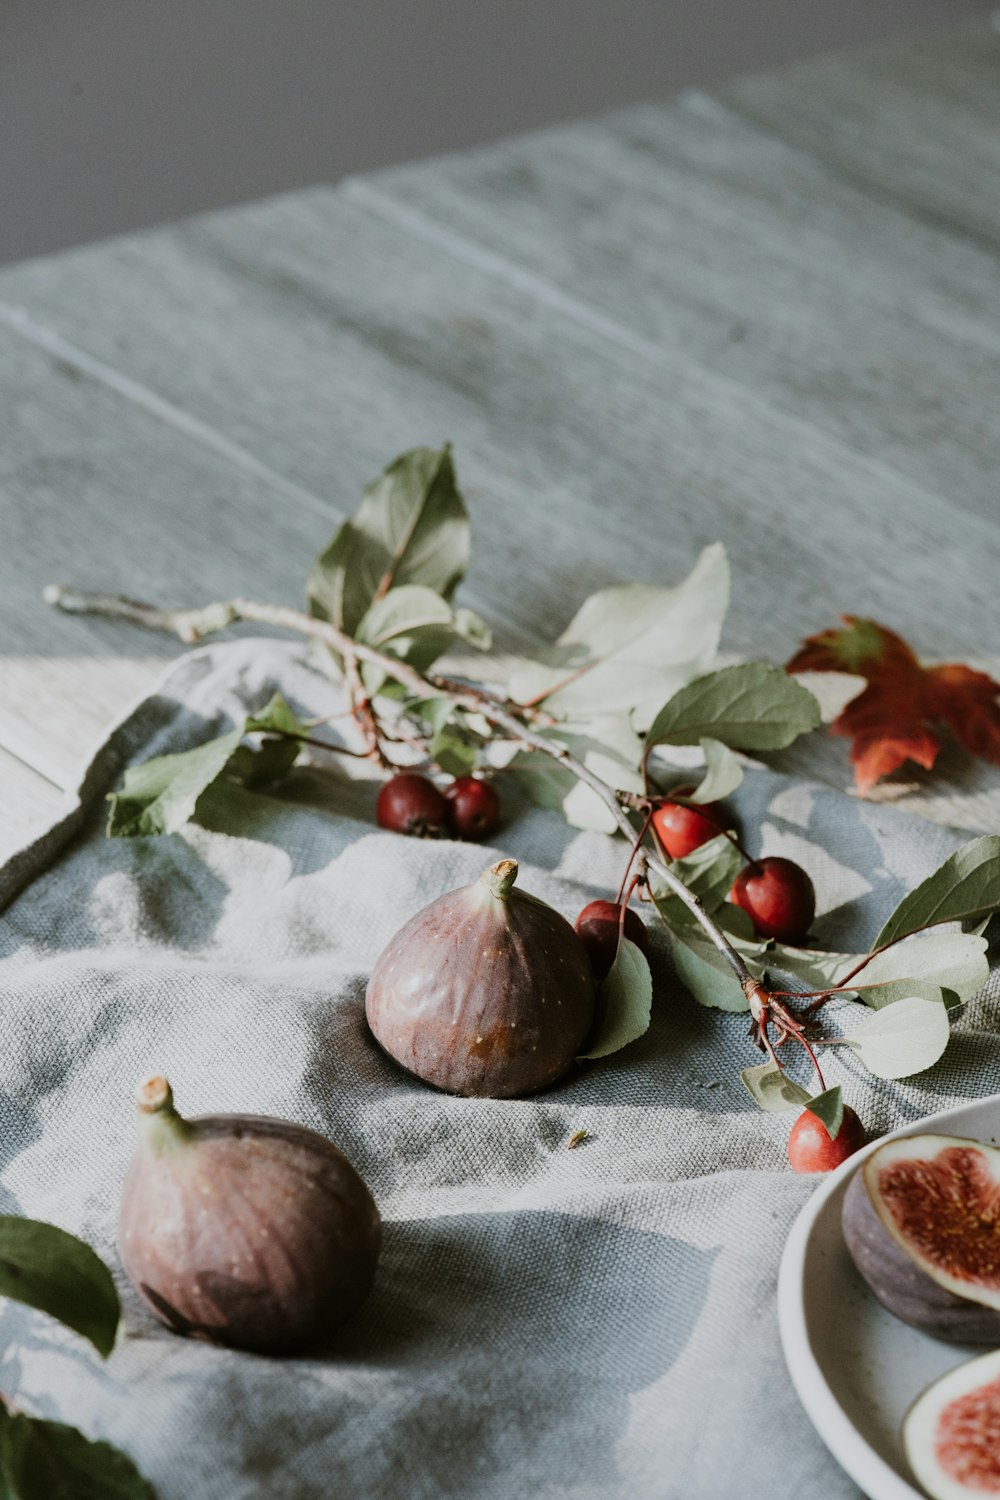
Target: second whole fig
<point x="485" y="992"/>
<point x="242" y="1230"/>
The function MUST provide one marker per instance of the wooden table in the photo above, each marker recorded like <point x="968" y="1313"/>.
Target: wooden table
<point x="768" y="314"/>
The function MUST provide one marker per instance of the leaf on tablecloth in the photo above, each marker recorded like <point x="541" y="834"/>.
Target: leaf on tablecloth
<point x="898" y="716"/>
<point x="904" y="1038"/>
<point x="50" y="1461"/>
<point x="54" y="1272"/>
<point x="624" y="1000"/>
<point x="160" y="795"/>
<point x="772" y="1090"/>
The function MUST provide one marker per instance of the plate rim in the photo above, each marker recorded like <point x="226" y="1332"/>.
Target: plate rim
<point x="851" y="1450"/>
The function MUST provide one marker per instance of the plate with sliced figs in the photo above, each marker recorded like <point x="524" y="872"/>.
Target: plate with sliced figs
<point x="889" y="1289"/>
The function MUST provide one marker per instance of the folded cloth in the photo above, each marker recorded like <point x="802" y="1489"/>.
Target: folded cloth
<point x="592" y="1324"/>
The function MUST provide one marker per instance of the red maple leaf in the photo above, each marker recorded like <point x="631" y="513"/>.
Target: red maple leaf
<point x="899" y="715"/>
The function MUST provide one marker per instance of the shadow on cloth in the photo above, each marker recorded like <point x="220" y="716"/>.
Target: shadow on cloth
<point x="492" y="1323"/>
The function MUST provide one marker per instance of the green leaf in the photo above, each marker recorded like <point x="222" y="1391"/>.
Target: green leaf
<point x="751" y="707"/>
<point x="816" y="968"/>
<point x="734" y="921"/>
<point x="627" y="645"/>
<point x="411" y="528"/>
<point x="708" y="872"/>
<point x="902" y="1039"/>
<point x="723" y="773"/>
<point x="772" y="1089"/>
<point x="415" y="624"/>
<point x="704" y="971"/>
<point x="625" y="1001"/>
<point x="48" y="1269"/>
<point x="160" y="795"/>
<point x="965" y="888"/>
<point x="50" y="1461"/>
<point x="829" y="1110"/>
<point x="955" y="961"/>
<point x="455" y="746"/>
<point x="273" y="758"/>
<point x="609" y="747"/>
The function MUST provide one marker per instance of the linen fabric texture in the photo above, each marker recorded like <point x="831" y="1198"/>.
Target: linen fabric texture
<point x="587" y="1324"/>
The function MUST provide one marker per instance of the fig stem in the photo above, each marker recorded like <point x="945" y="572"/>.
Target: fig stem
<point x="499" y="878"/>
<point x="159" y="1123"/>
<point x="517" y="719"/>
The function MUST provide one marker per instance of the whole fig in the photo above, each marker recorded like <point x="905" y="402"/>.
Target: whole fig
<point x="245" y="1231"/>
<point x="485" y="992"/>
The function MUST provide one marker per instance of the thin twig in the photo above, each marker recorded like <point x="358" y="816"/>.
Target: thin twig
<point x="191" y="625"/>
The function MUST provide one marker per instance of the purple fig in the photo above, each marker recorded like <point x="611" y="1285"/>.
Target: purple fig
<point x="485" y="992"/>
<point x="245" y="1231"/>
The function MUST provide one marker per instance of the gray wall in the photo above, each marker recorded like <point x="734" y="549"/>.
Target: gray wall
<point x="118" y="113"/>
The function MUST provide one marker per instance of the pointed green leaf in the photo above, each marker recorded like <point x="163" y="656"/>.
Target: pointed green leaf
<point x="411" y="528"/>
<point x="704" y="971"/>
<point x="48" y="1269"/>
<point x="723" y="774"/>
<point x="751" y="707"/>
<point x="734" y="921"/>
<point x="273" y="758"/>
<point x="625" y="1000"/>
<point x="965" y="888"/>
<point x="772" y="1089"/>
<point x="50" y="1461"/>
<point x="829" y="1110"/>
<point x="902" y="1039"/>
<point x="708" y="872"/>
<point x="455" y="746"/>
<point x="628" y="645"/>
<point x="815" y="968"/>
<point x="160" y="795"/>
<point x="955" y="961"/>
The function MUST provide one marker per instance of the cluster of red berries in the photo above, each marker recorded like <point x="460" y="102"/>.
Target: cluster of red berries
<point x="776" y="894"/>
<point x="467" y="808"/>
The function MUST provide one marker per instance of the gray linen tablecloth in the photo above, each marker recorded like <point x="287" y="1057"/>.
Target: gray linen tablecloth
<point x="574" y="1325"/>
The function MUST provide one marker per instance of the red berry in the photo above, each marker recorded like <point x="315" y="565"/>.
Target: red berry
<point x="779" y="898"/>
<point x="597" y="929"/>
<point x="473" y="807"/>
<point x="810" y="1148"/>
<point x="682" y="829"/>
<point x="409" y="803"/>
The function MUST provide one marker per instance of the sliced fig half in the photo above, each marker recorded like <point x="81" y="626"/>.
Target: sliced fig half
<point x="951" y="1434"/>
<point x="921" y="1219"/>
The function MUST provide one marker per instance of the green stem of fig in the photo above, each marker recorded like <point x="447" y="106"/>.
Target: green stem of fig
<point x="160" y="1126"/>
<point x="499" y="878"/>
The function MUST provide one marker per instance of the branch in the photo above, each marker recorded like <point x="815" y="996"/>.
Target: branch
<point x="191" y="625"/>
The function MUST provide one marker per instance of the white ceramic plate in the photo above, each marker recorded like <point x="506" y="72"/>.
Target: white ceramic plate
<point x="855" y="1367"/>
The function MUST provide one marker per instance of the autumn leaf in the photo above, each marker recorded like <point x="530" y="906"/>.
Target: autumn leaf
<point x="900" y="714"/>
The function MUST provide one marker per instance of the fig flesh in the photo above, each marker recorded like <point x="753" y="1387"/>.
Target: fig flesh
<point x="951" y="1434"/>
<point x="244" y="1231"/>
<point x="921" y="1219"/>
<point x="486" y="992"/>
